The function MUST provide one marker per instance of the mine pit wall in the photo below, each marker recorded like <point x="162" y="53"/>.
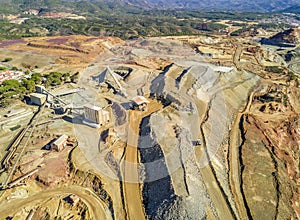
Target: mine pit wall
<point x="179" y="193"/>
<point x="92" y="181"/>
<point x="231" y="92"/>
<point x="262" y="202"/>
<point x="56" y="47"/>
<point x="265" y="171"/>
<point x="184" y="172"/>
<point x="158" y="195"/>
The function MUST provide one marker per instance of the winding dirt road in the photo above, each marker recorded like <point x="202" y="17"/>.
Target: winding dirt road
<point x="129" y="166"/>
<point x="210" y="180"/>
<point x="234" y="161"/>
<point x="97" y="208"/>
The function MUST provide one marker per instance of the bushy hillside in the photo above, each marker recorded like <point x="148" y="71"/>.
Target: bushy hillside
<point x="217" y="5"/>
<point x="294" y="9"/>
<point x="235" y="5"/>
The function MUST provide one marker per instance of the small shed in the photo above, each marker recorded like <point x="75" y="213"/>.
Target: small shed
<point x="60" y="143"/>
<point x="140" y="103"/>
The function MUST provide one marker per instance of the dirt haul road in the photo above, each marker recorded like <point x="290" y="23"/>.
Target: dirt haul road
<point x="97" y="208"/>
<point x="213" y="188"/>
<point x="129" y="166"/>
<point x="234" y="161"/>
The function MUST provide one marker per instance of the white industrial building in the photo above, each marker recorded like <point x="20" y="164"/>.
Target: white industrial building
<point x="38" y="98"/>
<point x="96" y="115"/>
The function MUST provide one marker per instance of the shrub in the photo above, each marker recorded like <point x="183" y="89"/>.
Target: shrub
<point x="7" y="59"/>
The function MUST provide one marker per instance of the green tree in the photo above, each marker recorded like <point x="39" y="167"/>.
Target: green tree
<point x="11" y="84"/>
<point x="36" y="77"/>
<point x="14" y="68"/>
<point x="29" y="85"/>
<point x="53" y="79"/>
<point x="7" y="59"/>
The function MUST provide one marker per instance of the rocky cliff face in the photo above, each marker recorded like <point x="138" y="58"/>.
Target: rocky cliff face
<point x="290" y="37"/>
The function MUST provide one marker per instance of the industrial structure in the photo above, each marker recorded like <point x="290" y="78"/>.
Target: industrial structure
<point x="95" y="114"/>
<point x="60" y="143"/>
<point x="38" y="98"/>
<point x="140" y="103"/>
<point x="39" y="88"/>
<point x="122" y="90"/>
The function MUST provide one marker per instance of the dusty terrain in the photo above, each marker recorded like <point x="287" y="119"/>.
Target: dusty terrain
<point x="63" y="54"/>
<point x="219" y="140"/>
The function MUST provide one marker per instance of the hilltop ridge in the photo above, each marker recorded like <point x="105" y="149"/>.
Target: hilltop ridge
<point x="205" y="5"/>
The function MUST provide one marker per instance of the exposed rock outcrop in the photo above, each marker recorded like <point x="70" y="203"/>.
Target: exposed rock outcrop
<point x="290" y="37"/>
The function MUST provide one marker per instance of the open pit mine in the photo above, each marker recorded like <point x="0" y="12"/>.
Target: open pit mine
<point x="199" y="127"/>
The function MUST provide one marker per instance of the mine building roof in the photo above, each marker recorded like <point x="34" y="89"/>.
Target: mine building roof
<point x="61" y="140"/>
<point x="93" y="107"/>
<point x="139" y="100"/>
<point x="37" y="95"/>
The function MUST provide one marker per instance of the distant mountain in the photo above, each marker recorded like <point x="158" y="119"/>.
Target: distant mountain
<point x="228" y="5"/>
<point x="205" y="5"/>
<point x="294" y="9"/>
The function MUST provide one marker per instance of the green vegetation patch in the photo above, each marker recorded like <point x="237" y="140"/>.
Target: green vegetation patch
<point x="112" y="19"/>
<point x="14" y="89"/>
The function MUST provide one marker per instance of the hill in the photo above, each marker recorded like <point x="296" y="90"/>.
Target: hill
<point x="294" y="9"/>
<point x="228" y="5"/>
<point x="108" y="5"/>
<point x="127" y="19"/>
<point x="290" y="38"/>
